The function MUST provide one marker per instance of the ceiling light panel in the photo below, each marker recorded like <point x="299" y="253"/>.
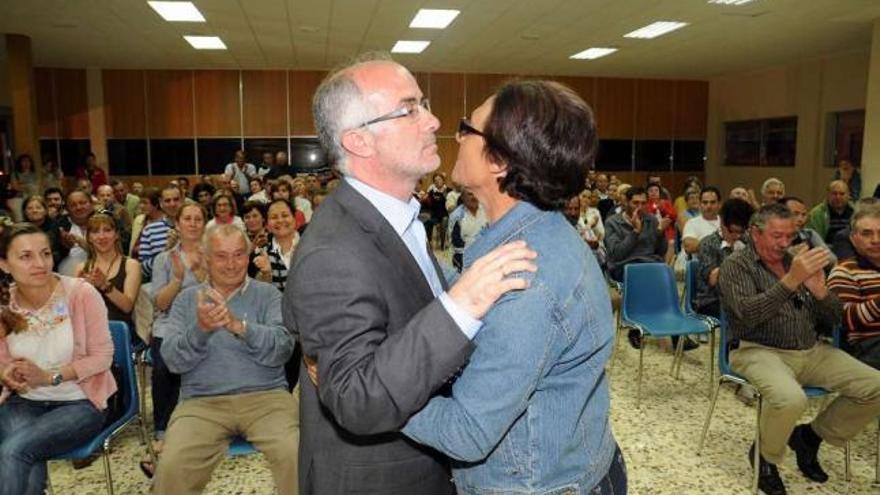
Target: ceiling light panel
<point x="205" y="42"/>
<point x="433" y="18"/>
<point x="410" y="46"/>
<point x="593" y="53"/>
<point x="731" y="2"/>
<point x="656" y="29"/>
<point x="178" y="11"/>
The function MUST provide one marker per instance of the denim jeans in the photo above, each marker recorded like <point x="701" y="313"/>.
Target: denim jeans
<point x="31" y="432"/>
<point x="165" y="388"/>
<point x="614" y="483"/>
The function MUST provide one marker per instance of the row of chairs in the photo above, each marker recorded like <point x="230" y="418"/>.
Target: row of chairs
<point x="650" y="305"/>
<point x="130" y="376"/>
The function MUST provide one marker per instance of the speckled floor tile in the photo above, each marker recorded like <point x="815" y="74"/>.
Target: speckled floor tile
<point x="659" y="442"/>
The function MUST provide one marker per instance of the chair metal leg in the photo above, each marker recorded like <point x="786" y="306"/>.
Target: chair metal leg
<point x="711" y="360"/>
<point x="641" y="366"/>
<point x="847" y="473"/>
<point x="756" y="462"/>
<point x="676" y="355"/>
<point x="106" y="455"/>
<point x="681" y="342"/>
<point x="709" y="416"/>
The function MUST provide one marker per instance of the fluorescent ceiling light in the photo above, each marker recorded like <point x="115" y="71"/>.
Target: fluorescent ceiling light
<point x="410" y="46"/>
<point x="205" y="42"/>
<point x="178" y="11"/>
<point x="731" y="2"/>
<point x="433" y="18"/>
<point x="593" y="53"/>
<point x="656" y="29"/>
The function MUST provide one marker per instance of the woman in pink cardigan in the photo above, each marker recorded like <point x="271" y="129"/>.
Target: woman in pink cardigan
<point x="55" y="356"/>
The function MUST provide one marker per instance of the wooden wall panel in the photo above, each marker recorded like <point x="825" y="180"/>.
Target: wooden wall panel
<point x="447" y="101"/>
<point x="303" y="84"/>
<point x="46" y="121"/>
<point x="447" y="148"/>
<point x="655" y="109"/>
<point x="478" y="87"/>
<point x="170" y="103"/>
<point x="691" y="109"/>
<point x="264" y="103"/>
<point x="124" y="103"/>
<point x="585" y="87"/>
<point x="615" y="108"/>
<point x="72" y="102"/>
<point x="218" y="109"/>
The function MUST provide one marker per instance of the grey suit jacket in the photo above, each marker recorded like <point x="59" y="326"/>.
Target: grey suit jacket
<point x="358" y="302"/>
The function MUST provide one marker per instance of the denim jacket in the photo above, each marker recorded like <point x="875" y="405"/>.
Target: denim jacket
<point x="529" y="414"/>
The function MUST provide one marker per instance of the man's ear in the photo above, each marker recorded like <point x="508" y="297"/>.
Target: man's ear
<point x="359" y="143"/>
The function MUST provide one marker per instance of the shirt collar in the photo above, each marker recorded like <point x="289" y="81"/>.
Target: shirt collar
<point x="242" y="289"/>
<point x="398" y="213"/>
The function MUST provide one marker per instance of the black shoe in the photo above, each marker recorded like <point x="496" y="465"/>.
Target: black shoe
<point x="805" y="444"/>
<point x="769" y="481"/>
<point x="689" y="344"/>
<point x="635" y="339"/>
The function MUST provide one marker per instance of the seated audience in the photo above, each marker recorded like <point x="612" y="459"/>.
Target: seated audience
<point x="772" y="190"/>
<point x="183" y="185"/>
<point x="850" y="174"/>
<point x="697" y="228"/>
<point x="72" y="231"/>
<point x="804" y="234"/>
<point x="714" y="249"/>
<point x="55" y="207"/>
<point x="691" y="210"/>
<point x="842" y="246"/>
<point x="107" y="204"/>
<point x="55" y="356"/>
<point x="151" y="211"/>
<point x="254" y="218"/>
<point x="203" y="193"/>
<point x="258" y="193"/>
<point x="832" y="215"/>
<point x="856" y="281"/>
<point x="154" y="237"/>
<point x="174" y="270"/>
<point x="130" y="201"/>
<point x="265" y="166"/>
<point x="662" y="209"/>
<point x="225" y="211"/>
<point x="301" y="198"/>
<point x="282" y="189"/>
<point x="226" y="339"/>
<point x="137" y="189"/>
<point x="34" y="210"/>
<point x="774" y="303"/>
<point x="465" y="222"/>
<point x="26" y="179"/>
<point x="53" y="177"/>
<point x="92" y="173"/>
<point x="116" y="276"/>
<point x="681" y="202"/>
<point x="633" y="236"/>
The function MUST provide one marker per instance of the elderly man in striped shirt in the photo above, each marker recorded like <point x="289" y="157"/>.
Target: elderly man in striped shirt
<point x="775" y="299"/>
<point x="856" y="282"/>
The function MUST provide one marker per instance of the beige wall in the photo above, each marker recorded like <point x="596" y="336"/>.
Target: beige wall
<point x="5" y="95"/>
<point x="810" y="90"/>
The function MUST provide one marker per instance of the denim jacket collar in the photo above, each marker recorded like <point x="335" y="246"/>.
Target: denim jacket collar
<point x="503" y="230"/>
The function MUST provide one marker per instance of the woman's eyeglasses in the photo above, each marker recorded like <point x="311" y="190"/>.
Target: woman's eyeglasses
<point x="465" y="128"/>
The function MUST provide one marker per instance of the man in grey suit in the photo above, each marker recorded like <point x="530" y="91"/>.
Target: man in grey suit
<point x="366" y="297"/>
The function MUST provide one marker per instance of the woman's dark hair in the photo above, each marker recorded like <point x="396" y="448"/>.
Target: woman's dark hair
<point x="288" y="204"/>
<point x="201" y="186"/>
<point x="95" y="222"/>
<point x="21" y="158"/>
<point x="13" y="321"/>
<point x="254" y="205"/>
<point x="154" y="196"/>
<point x="736" y="212"/>
<point x="545" y="135"/>
<point x="28" y="200"/>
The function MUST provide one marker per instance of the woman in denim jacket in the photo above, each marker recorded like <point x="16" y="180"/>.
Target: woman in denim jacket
<point x="529" y="414"/>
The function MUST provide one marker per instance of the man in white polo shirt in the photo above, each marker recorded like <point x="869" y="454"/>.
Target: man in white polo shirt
<point x="705" y="224"/>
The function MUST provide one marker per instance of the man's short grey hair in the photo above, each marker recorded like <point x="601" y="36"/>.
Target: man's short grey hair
<point x="223" y="231"/>
<point x="339" y="105"/>
<point x="766" y="212"/>
<point x="865" y="208"/>
<point x="772" y="181"/>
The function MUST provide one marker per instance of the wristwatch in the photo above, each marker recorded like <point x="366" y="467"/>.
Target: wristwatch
<point x="57" y="378"/>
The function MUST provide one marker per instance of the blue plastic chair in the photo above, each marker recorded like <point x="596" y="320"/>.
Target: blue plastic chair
<point x="728" y="375"/>
<point x="650" y="305"/>
<point x="128" y="389"/>
<point x="240" y="446"/>
<point x="690" y="291"/>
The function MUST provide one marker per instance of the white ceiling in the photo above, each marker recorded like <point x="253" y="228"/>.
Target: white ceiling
<point x="489" y="36"/>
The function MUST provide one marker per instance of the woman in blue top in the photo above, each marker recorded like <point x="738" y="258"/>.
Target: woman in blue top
<point x="529" y="414"/>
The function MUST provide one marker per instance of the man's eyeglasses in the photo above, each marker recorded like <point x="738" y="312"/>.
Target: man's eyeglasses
<point x="410" y="107"/>
<point x="465" y="128"/>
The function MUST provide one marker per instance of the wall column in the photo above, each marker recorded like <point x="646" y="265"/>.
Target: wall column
<point x="20" y="71"/>
<point x="97" y="131"/>
<point x="871" y="148"/>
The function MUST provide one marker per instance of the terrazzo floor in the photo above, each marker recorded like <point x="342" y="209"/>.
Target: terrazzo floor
<point x="659" y="441"/>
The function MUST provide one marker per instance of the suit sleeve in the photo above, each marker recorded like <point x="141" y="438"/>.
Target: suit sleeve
<point x="372" y="377"/>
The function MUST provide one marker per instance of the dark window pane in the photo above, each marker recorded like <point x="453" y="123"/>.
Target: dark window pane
<point x="73" y="154"/>
<point x="172" y="156"/>
<point x="653" y="155"/>
<point x="614" y="154"/>
<point x="49" y="150"/>
<point x="849" y="133"/>
<point x="780" y="137"/>
<point x="688" y="156"/>
<point x="255" y="147"/>
<point x="307" y="156"/>
<point x="214" y="154"/>
<point x="127" y="156"/>
<point x="742" y="142"/>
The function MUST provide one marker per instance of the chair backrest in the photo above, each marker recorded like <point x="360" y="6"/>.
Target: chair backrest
<point x="649" y="289"/>
<point x="126" y="379"/>
<point x="690" y="285"/>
